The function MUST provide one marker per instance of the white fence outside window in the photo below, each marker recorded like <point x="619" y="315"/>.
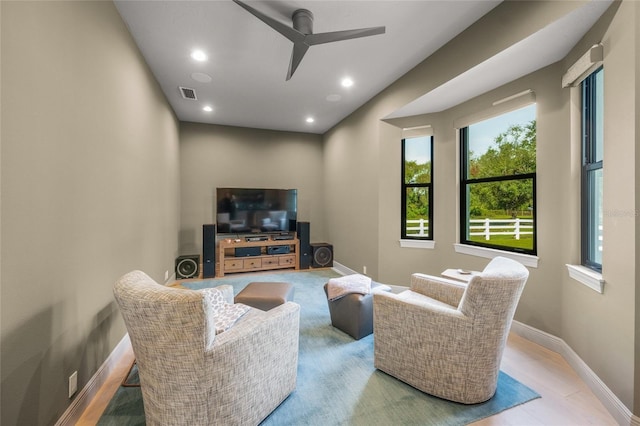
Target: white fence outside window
<point x="488" y="227"/>
<point x="418" y="227"/>
<point x="485" y="227"/>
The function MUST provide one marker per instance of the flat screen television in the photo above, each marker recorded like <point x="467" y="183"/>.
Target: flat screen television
<point x="252" y="210"/>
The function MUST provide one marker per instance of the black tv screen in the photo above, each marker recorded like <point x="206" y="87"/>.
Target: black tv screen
<point x="250" y="210"/>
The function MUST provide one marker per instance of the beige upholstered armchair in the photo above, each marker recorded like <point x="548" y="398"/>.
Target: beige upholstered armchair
<point x="445" y="337"/>
<point x="191" y="376"/>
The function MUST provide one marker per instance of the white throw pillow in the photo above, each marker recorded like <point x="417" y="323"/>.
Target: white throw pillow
<point x="220" y="314"/>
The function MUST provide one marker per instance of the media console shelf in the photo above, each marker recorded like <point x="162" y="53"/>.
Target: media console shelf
<point x="230" y="263"/>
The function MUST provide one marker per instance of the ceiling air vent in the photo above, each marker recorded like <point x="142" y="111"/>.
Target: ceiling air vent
<point x="188" y="93"/>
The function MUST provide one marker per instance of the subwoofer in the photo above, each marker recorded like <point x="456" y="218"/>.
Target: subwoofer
<point x="187" y="266"/>
<point x="208" y="251"/>
<point x="322" y="255"/>
<point x="303" y="229"/>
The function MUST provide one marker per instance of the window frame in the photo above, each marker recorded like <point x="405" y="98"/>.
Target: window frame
<point x="589" y="165"/>
<point x="403" y="195"/>
<point x="465" y="182"/>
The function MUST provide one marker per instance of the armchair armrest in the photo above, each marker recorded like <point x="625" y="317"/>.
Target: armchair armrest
<point x="259" y="352"/>
<point x="386" y="303"/>
<point x="442" y="289"/>
<point x="420" y="341"/>
<point x="412" y="329"/>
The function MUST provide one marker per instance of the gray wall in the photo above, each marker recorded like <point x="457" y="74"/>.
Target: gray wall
<point x="89" y="191"/>
<point x="222" y="156"/>
<point x="600" y="328"/>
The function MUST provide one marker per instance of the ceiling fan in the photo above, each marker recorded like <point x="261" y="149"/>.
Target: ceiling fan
<point x="301" y="33"/>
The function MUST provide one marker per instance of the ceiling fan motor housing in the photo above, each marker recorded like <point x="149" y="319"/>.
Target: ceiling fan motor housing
<point x="303" y="21"/>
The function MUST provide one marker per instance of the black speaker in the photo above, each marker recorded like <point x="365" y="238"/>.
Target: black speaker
<point x="322" y="255"/>
<point x="187" y="266"/>
<point x="208" y="251"/>
<point x="303" y="229"/>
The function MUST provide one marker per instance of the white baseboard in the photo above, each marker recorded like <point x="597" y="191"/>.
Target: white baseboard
<point x="611" y="402"/>
<point x="342" y="270"/>
<point x="73" y="413"/>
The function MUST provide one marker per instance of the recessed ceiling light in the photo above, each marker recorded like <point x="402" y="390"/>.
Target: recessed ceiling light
<point x="207" y="108"/>
<point x="310" y="120"/>
<point x="346" y="82"/>
<point x="201" y="77"/>
<point x="199" y="55"/>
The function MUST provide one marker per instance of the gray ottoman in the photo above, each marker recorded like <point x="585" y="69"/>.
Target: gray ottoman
<point x="265" y="295"/>
<point x="353" y="313"/>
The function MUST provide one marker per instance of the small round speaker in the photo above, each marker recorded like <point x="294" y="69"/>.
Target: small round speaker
<point x="187" y="266"/>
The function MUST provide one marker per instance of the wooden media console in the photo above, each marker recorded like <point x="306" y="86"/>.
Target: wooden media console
<point x="260" y="258"/>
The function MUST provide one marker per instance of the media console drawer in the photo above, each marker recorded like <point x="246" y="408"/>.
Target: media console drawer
<point x="233" y="264"/>
<point x="270" y="261"/>
<point x="286" y="260"/>
<point x="252" y="263"/>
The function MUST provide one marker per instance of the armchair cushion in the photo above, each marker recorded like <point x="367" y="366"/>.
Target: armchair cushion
<point x="438" y="288"/>
<point x="422" y="300"/>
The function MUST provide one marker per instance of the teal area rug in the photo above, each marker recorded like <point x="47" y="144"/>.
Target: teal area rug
<point x="337" y="383"/>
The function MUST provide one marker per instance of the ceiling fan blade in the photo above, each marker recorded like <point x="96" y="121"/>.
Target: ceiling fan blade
<point x="289" y="32"/>
<point x="299" y="49"/>
<point x="320" y="38"/>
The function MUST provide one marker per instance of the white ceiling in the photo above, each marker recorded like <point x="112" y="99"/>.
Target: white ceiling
<point x="248" y="61"/>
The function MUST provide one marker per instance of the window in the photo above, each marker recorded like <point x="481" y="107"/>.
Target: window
<point x="498" y="182"/>
<point x="592" y="149"/>
<point x="417" y="188"/>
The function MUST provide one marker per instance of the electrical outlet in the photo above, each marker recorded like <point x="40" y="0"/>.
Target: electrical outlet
<point x="73" y="384"/>
<point x="364" y="270"/>
<point x="166" y="275"/>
